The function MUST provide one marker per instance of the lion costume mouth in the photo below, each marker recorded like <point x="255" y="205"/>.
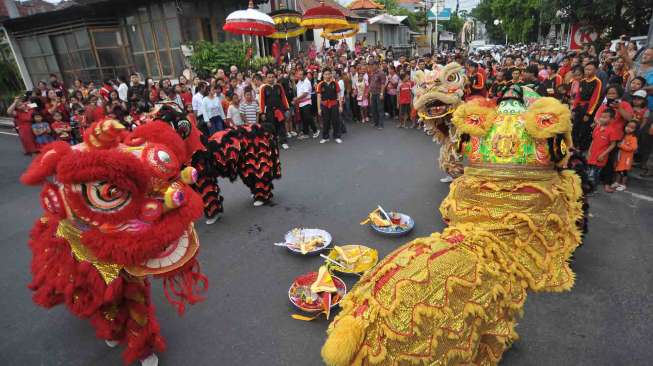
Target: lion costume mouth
<point x="174" y="256"/>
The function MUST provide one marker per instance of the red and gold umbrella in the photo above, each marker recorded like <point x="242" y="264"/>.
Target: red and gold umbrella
<point x="287" y="23"/>
<point x="334" y="34"/>
<point x="250" y="21"/>
<point x="323" y="16"/>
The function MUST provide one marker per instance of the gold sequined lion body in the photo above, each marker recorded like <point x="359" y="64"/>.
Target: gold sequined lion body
<point x="437" y="94"/>
<point x="454" y="298"/>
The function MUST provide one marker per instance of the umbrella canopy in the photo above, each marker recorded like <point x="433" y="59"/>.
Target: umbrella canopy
<point x="249" y="21"/>
<point x="334" y="34"/>
<point x="323" y="16"/>
<point x="286" y="23"/>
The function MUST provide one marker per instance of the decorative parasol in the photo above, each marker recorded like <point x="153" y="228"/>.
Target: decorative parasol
<point x="287" y="23"/>
<point x="334" y="34"/>
<point x="323" y="16"/>
<point x="250" y="21"/>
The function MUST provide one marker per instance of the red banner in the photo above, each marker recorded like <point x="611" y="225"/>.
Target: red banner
<point x="582" y="35"/>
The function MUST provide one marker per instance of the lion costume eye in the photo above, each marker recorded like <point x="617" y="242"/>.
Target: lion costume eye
<point x="453" y="78"/>
<point x="104" y="196"/>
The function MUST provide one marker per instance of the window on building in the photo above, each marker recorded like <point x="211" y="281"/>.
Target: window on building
<point x="39" y="57"/>
<point x="111" y="52"/>
<point x="155" y="37"/>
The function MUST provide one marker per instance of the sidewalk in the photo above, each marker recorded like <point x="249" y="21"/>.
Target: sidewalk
<point x="6" y="123"/>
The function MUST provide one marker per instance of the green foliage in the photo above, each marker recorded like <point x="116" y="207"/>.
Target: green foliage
<point x="10" y="84"/>
<point x="258" y="62"/>
<point x="522" y="17"/>
<point x="416" y="20"/>
<point x="610" y="17"/>
<point x="455" y="24"/>
<point x="208" y="57"/>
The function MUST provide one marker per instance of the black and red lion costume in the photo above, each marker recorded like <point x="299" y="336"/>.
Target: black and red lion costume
<point x="118" y="208"/>
<point x="249" y="152"/>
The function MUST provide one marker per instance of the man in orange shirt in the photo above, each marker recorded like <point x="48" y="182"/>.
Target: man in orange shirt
<point x="476" y="80"/>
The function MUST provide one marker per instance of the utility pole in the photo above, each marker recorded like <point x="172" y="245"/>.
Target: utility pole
<point x="649" y="40"/>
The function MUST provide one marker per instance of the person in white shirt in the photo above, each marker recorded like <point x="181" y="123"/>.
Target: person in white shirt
<point x="303" y="100"/>
<point x="234" y="117"/>
<point x="197" y="101"/>
<point x="122" y="89"/>
<point x="212" y="111"/>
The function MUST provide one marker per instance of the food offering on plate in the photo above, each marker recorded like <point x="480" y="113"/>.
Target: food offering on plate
<point x="316" y="292"/>
<point x="306" y="241"/>
<point x="392" y="223"/>
<point x="352" y="259"/>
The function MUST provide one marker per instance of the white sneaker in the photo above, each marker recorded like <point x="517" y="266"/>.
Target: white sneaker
<point x="258" y="203"/>
<point x="620" y="188"/>
<point x="151" y="360"/>
<point x="111" y="344"/>
<point x="288" y="135"/>
<point x="447" y="179"/>
<point x="316" y="134"/>
<point x="324" y="141"/>
<point x="293" y="133"/>
<point x="284" y="146"/>
<point x="212" y="220"/>
<point x="338" y="141"/>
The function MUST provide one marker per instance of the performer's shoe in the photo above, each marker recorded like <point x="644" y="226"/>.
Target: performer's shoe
<point x="111" y="344"/>
<point x="324" y="141"/>
<point x="213" y="219"/>
<point x="151" y="360"/>
<point x="258" y="203"/>
<point x="284" y="146"/>
<point x="338" y="141"/>
<point x="447" y="179"/>
<point x="316" y="134"/>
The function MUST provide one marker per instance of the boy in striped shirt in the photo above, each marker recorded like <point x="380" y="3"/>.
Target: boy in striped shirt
<point x="249" y="109"/>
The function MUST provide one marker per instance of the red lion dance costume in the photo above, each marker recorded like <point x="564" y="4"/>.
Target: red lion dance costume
<point x="249" y="152"/>
<point x="117" y="210"/>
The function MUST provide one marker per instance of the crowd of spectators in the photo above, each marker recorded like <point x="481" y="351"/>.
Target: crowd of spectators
<point x="315" y="94"/>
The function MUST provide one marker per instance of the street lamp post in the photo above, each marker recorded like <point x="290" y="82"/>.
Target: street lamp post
<point x="498" y="22"/>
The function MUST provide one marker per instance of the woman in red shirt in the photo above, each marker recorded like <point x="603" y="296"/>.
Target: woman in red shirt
<point x="23" y="124"/>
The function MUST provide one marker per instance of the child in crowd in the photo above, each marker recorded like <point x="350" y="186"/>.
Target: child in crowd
<point x="249" y="108"/>
<point x="640" y="108"/>
<point x="41" y="130"/>
<point x="404" y="100"/>
<point x="604" y="139"/>
<point x="61" y="128"/>
<point x="627" y="148"/>
<point x="234" y="118"/>
<point x="362" y="96"/>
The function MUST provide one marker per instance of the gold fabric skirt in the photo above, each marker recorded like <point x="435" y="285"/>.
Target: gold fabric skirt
<point x="454" y="298"/>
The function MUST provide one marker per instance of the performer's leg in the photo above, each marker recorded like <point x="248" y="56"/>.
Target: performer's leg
<point x="326" y="123"/>
<point x="210" y="190"/>
<point x="335" y="121"/>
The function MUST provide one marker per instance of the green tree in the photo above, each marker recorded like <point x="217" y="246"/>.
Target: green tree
<point x="611" y="18"/>
<point x="208" y="57"/>
<point x="483" y="12"/>
<point x="416" y="20"/>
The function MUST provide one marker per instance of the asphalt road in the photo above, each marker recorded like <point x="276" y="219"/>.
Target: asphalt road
<point x="607" y="319"/>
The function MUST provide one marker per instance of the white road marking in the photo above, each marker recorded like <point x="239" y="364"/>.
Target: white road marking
<point x="8" y="133"/>
<point x="642" y="196"/>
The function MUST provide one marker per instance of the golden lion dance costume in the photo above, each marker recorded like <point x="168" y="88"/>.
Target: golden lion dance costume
<point x="454" y="298"/>
<point x="437" y="94"/>
<point x="117" y="210"/>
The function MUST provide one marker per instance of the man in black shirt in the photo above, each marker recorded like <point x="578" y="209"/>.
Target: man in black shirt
<point x="273" y="107"/>
<point x="329" y="105"/>
<point x="136" y="91"/>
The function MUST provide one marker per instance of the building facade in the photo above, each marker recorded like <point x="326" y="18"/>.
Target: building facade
<point x="93" y="40"/>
